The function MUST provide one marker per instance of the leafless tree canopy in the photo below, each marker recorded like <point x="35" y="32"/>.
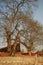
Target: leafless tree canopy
<point x="16" y="22"/>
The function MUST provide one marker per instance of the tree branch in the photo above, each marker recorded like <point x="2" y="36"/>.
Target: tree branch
<point x="6" y="17"/>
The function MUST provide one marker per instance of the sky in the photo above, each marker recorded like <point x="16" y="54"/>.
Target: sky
<point x="38" y="14"/>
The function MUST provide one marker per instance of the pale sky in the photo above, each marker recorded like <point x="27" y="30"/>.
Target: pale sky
<point x="38" y="15"/>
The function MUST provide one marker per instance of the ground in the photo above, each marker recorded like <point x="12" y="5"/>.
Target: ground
<point x="20" y="59"/>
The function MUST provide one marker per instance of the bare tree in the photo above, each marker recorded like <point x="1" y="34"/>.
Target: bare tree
<point x="31" y="32"/>
<point x="10" y="12"/>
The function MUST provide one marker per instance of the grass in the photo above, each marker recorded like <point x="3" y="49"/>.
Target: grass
<point x="20" y="59"/>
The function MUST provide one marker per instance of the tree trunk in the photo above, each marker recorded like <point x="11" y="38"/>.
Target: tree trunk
<point x="30" y="52"/>
<point x="13" y="49"/>
<point x="9" y="44"/>
<point x="8" y="37"/>
<point x="31" y="45"/>
<point x="15" y="45"/>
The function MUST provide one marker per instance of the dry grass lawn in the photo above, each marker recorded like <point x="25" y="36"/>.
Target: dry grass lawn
<point x="19" y="59"/>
